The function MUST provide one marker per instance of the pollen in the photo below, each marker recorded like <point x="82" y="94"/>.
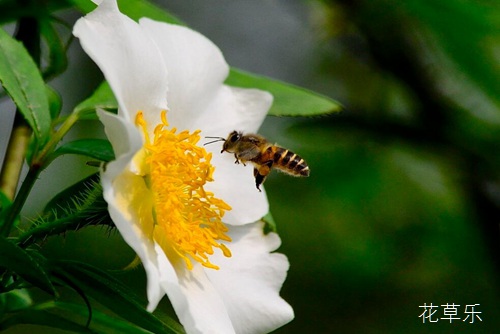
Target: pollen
<point x="187" y="218"/>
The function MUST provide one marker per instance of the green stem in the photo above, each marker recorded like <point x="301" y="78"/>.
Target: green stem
<point x="50" y="228"/>
<point x="82" y="209"/>
<point x="39" y="162"/>
<point x="14" y="157"/>
<point x="14" y="210"/>
<point x="29" y="34"/>
<point x="39" y="159"/>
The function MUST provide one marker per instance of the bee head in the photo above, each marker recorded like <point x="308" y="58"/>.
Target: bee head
<point x="231" y="141"/>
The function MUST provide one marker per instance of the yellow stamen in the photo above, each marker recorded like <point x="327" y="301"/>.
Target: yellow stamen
<point x="188" y="219"/>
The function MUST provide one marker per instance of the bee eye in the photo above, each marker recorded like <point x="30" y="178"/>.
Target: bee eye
<point x="235" y="137"/>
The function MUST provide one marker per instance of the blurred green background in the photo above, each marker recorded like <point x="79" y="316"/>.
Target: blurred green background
<point x="403" y="203"/>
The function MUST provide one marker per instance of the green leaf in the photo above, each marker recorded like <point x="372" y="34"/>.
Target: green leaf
<point x="23" y="82"/>
<point x="289" y="100"/>
<point x="102" y="322"/>
<point x="102" y="98"/>
<point x="55" y="102"/>
<point x="57" y="61"/>
<point x="135" y="9"/>
<point x="16" y="259"/>
<point x="13" y="10"/>
<point x="115" y="296"/>
<point x="99" y="149"/>
<point x="5" y="204"/>
<point x="84" y="6"/>
<point x="14" y="300"/>
<point x="7" y="7"/>
<point x="468" y="34"/>
<point x="70" y="317"/>
<point x="67" y="197"/>
<point x="4" y="201"/>
<point x="43" y="318"/>
<point x="270" y="224"/>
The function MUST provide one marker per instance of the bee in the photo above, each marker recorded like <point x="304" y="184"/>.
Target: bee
<point x="263" y="155"/>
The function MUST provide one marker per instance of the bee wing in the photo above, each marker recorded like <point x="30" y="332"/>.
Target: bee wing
<point x="248" y="150"/>
<point x="253" y="139"/>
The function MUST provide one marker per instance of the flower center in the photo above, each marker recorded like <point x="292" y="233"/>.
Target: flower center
<point x="187" y="218"/>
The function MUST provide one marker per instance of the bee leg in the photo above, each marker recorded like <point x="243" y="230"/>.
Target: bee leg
<point x="261" y="173"/>
<point x="238" y="160"/>
<point x="259" y="179"/>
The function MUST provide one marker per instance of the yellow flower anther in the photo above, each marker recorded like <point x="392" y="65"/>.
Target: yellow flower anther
<point x="188" y="218"/>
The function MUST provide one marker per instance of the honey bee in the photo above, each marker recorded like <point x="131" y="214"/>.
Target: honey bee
<point x="264" y="155"/>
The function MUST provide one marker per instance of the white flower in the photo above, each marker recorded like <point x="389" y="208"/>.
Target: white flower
<point x="200" y="242"/>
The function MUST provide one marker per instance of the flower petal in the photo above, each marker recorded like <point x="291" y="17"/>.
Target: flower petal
<point x="250" y="280"/>
<point x="129" y="59"/>
<point x="197" y="304"/>
<point x="128" y="203"/>
<point x="196" y="68"/>
<point x="197" y="97"/>
<point x="236" y="185"/>
<point x="124" y="193"/>
<point x="124" y="137"/>
<point x="234" y="109"/>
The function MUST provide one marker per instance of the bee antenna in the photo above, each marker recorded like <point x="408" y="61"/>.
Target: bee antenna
<point x="217" y="139"/>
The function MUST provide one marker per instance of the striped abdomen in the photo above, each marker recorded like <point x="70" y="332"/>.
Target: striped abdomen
<point x="289" y="162"/>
